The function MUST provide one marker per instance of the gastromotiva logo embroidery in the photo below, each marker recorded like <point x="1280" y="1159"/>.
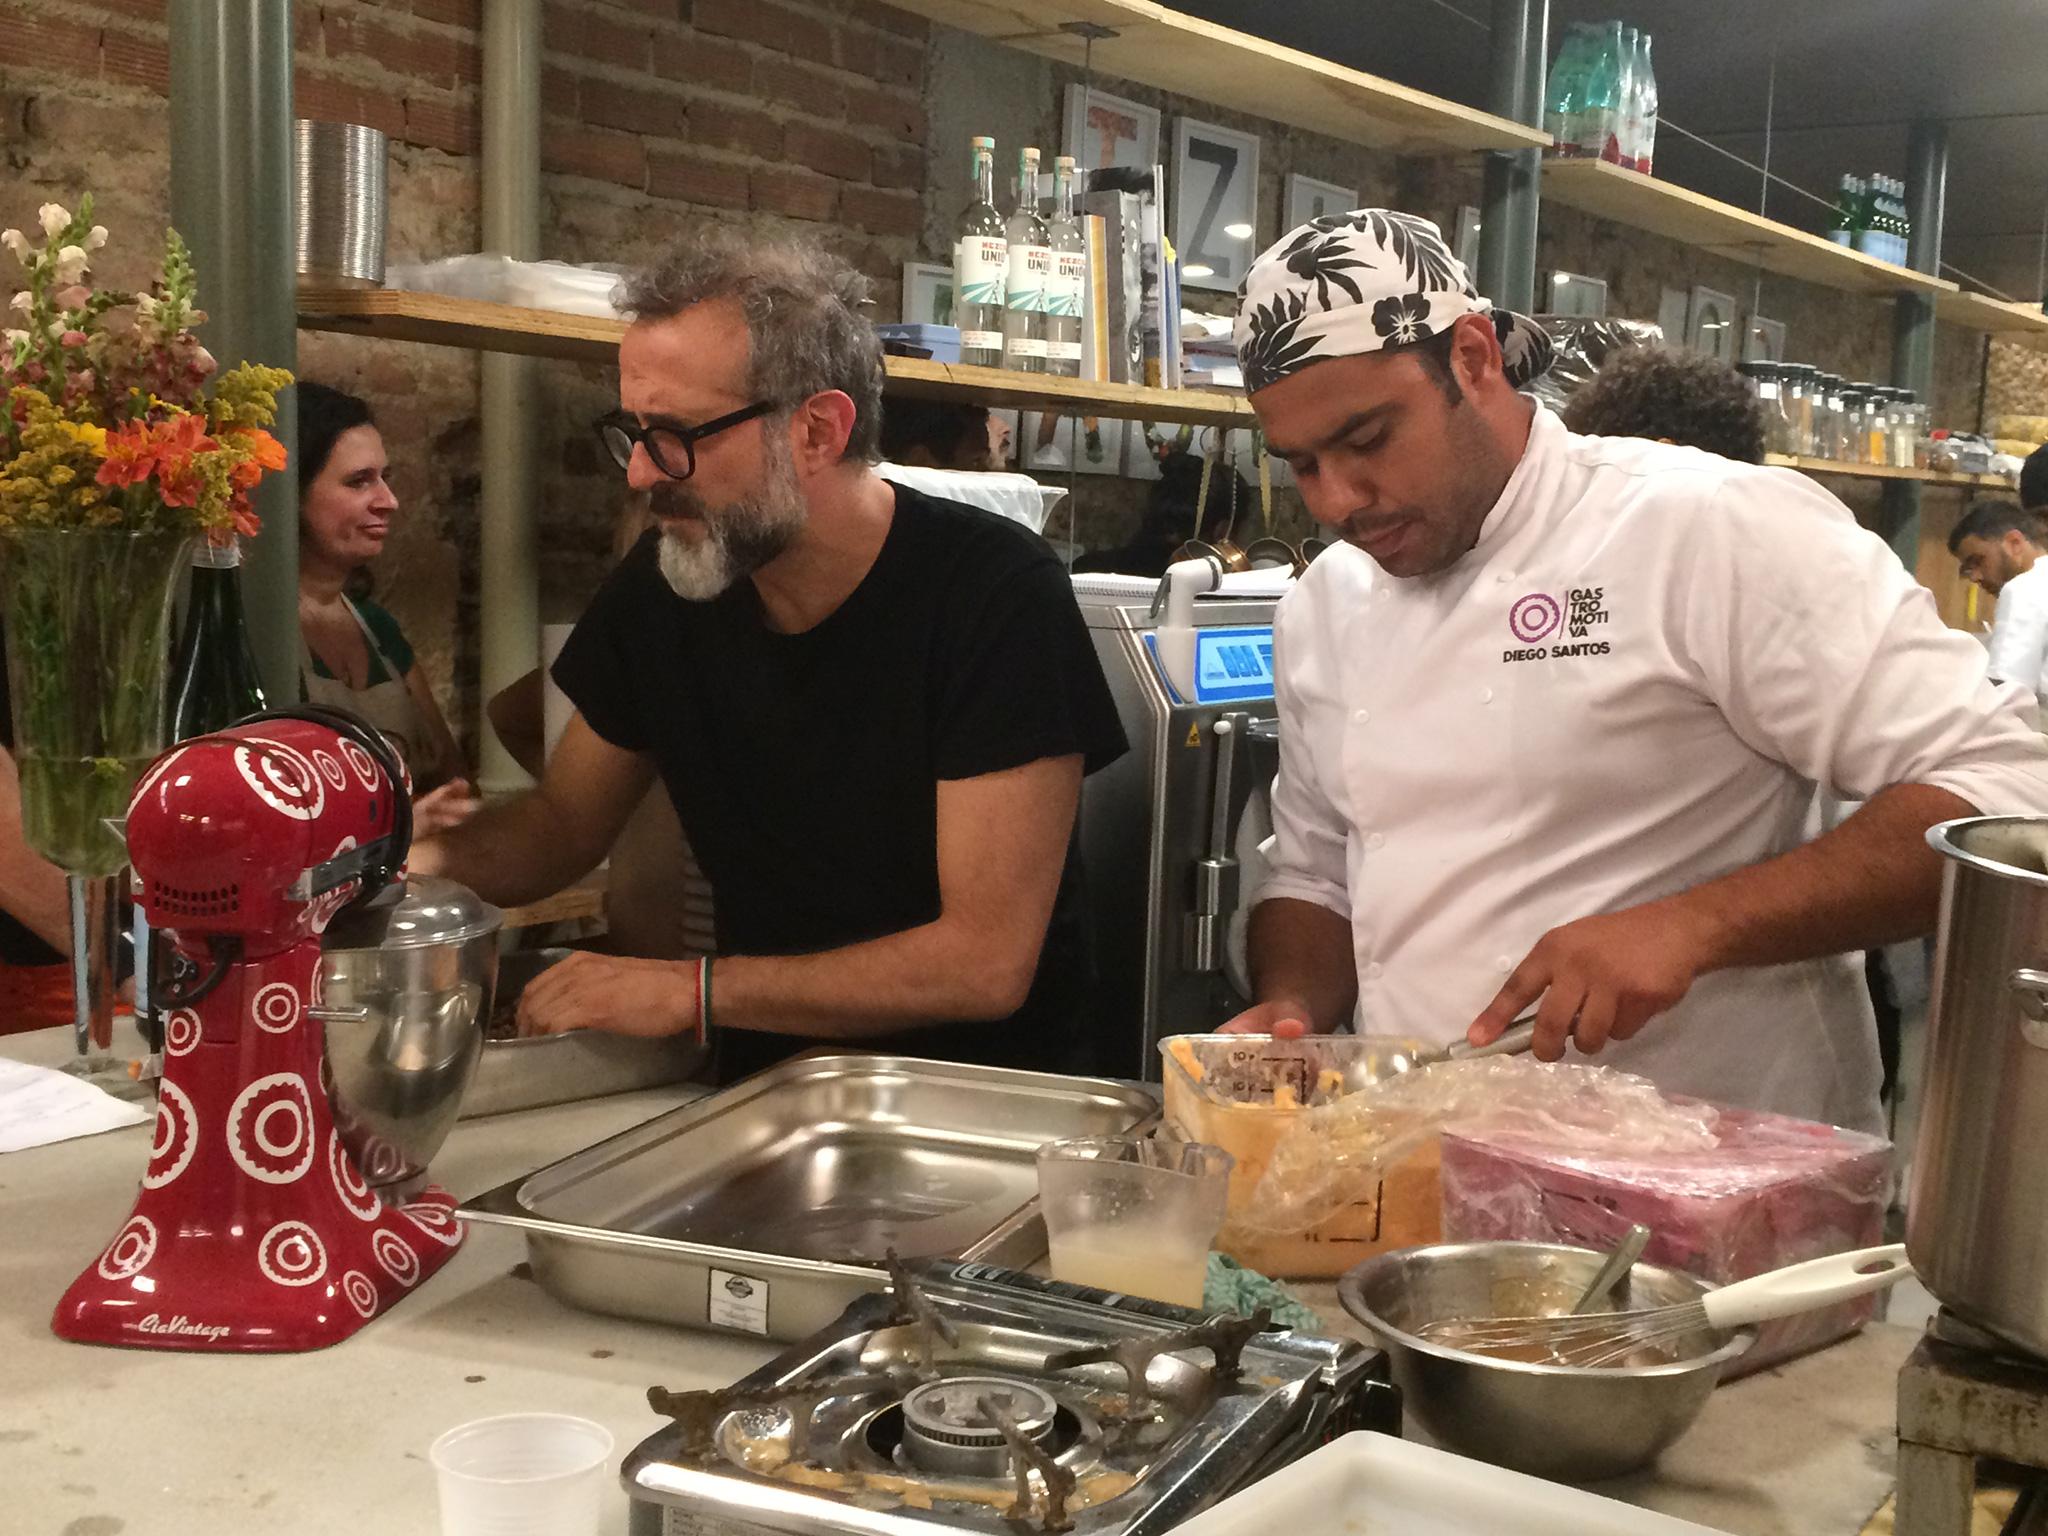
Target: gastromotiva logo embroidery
<point x="180" y="1326"/>
<point x="1536" y="616"/>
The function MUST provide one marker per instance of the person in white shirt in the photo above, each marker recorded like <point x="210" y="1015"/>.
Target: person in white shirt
<point x="1996" y="545"/>
<point x="1554" y="710"/>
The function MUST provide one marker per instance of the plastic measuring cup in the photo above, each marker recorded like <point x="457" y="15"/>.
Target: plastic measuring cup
<point x="522" y="1474"/>
<point x="1132" y="1215"/>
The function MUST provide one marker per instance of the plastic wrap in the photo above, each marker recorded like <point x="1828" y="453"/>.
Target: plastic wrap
<point x="555" y="285"/>
<point x="1767" y="1191"/>
<point x="1332" y="1153"/>
<point x="1582" y="345"/>
<point x="1244" y="1092"/>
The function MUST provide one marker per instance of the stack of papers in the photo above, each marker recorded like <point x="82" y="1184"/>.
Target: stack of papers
<point x="39" y="1106"/>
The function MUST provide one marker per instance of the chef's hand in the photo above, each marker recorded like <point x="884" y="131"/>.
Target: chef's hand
<point x="1600" y="978"/>
<point x="1283" y="1020"/>
<point x="610" y="992"/>
<point x="439" y="809"/>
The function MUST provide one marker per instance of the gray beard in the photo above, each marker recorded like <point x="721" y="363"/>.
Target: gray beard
<point x="739" y="538"/>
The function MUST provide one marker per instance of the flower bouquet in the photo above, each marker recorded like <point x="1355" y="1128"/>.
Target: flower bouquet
<point x="114" y="457"/>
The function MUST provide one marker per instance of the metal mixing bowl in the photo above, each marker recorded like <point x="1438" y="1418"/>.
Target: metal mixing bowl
<point x="1553" y="1421"/>
<point x="407" y="983"/>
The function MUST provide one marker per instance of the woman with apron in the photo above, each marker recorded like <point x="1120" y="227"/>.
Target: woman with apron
<point x="352" y="654"/>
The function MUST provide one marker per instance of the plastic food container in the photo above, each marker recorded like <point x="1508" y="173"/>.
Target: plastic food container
<point x="1244" y="1092"/>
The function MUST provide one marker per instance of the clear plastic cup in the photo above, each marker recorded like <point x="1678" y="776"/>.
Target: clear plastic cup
<point x="522" y="1474"/>
<point x="1133" y="1215"/>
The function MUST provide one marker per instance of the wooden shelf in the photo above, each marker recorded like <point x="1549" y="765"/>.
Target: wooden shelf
<point x="1155" y="46"/>
<point x="398" y="315"/>
<point x="2023" y="323"/>
<point x="1886" y="472"/>
<point x="1664" y="208"/>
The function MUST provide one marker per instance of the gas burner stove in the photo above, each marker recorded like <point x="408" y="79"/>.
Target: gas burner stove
<point x="978" y="1399"/>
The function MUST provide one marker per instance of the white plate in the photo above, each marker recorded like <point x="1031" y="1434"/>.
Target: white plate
<point x="1366" y="1484"/>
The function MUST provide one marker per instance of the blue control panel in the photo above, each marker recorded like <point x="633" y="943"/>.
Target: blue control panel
<point x="1233" y="665"/>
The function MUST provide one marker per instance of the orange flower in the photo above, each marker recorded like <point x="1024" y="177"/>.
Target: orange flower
<point x="131" y="455"/>
<point x="263" y="452"/>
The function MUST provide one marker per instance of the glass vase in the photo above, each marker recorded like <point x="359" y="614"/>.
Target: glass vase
<point x="88" y="623"/>
<point x="87" y="614"/>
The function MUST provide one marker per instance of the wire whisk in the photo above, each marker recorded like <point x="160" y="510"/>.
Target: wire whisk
<point x="1597" y="1341"/>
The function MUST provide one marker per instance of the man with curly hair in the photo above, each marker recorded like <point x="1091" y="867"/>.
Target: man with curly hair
<point x="1674" y="397"/>
<point x="1554" y="710"/>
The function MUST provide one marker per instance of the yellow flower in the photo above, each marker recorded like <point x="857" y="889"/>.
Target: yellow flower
<point x="87" y="435"/>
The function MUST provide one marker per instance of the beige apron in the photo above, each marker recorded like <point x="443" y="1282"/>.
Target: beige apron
<point x="389" y="706"/>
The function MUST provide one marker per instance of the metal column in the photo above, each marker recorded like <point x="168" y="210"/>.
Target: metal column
<point x="1507" y="228"/>
<point x="1913" y="315"/>
<point x="510" y="575"/>
<point x="231" y="199"/>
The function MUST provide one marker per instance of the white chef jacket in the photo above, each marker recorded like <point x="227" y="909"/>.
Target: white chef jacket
<point x="2019" y="630"/>
<point x="1632" y="683"/>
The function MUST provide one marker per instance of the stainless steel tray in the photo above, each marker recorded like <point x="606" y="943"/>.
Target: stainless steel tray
<point x="768" y="1207"/>
<point x="557" y="1069"/>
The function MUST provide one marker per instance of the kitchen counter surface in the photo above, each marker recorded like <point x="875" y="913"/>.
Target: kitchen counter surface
<point x="106" y="1442"/>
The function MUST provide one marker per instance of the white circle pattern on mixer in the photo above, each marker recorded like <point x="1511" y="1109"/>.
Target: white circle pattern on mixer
<point x="272" y="1158"/>
<point x="299" y="794"/>
<point x="277" y="1008"/>
<point x="177" y="1136"/>
<point x="330" y="768"/>
<point x="368" y="774"/>
<point x="398" y="1261"/>
<point x="437" y="1221"/>
<point x="181" y="1032"/>
<point x="349" y="1183"/>
<point x="361" y="1293"/>
<point x="291" y="1253"/>
<point x="130" y="1251"/>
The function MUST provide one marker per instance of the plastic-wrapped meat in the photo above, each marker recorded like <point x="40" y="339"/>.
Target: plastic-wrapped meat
<point x="1772" y="1191"/>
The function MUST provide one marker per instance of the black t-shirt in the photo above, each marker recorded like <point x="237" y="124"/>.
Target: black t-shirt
<point x="805" y="767"/>
<point x="18" y="944"/>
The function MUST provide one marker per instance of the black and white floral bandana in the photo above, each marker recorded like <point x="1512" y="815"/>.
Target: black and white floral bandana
<point x="1351" y="283"/>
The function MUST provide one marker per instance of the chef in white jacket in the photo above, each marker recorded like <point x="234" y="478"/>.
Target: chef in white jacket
<point x="1554" y="708"/>
<point x="1999" y="546"/>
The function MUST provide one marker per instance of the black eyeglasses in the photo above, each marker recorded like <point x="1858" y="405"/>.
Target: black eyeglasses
<point x="673" y="449"/>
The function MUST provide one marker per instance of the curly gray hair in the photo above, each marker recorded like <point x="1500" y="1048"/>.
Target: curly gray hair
<point x="805" y="331"/>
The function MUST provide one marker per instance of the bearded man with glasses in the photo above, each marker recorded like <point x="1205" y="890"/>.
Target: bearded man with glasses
<point x="872" y="708"/>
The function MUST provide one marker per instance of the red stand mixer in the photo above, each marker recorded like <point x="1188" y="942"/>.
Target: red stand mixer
<point x="255" y="1228"/>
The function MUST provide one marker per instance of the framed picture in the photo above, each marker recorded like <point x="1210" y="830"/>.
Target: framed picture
<point x="1763" y="341"/>
<point x="1308" y="199"/>
<point x="1572" y="293"/>
<point x="927" y="293"/>
<point x="1710" y="328"/>
<point x="1671" y="307"/>
<point x="1466" y="237"/>
<point x="1216" y="174"/>
<point x="1103" y="130"/>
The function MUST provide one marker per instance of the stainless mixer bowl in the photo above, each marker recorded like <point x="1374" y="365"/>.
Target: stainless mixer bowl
<point x="407" y="984"/>
<point x="1554" y="1421"/>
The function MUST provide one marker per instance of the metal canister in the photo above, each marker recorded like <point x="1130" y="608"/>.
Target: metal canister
<point x="1977" y="1215"/>
<point x="338" y="202"/>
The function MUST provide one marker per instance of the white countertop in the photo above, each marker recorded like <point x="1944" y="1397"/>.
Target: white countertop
<point x="112" y="1442"/>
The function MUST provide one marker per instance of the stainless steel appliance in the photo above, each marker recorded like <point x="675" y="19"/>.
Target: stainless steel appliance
<point x="769" y="1206"/>
<point x="1162" y="830"/>
<point x="1977" y="1219"/>
<point x="976" y="1399"/>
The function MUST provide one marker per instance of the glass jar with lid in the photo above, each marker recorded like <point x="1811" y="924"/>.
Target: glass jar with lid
<point x="1873" y="430"/>
<point x="1766" y="382"/>
<point x="1827" y="416"/>
<point x="1796" y="394"/>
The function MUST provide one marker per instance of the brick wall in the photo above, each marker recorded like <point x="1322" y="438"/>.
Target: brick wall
<point x="844" y="116"/>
